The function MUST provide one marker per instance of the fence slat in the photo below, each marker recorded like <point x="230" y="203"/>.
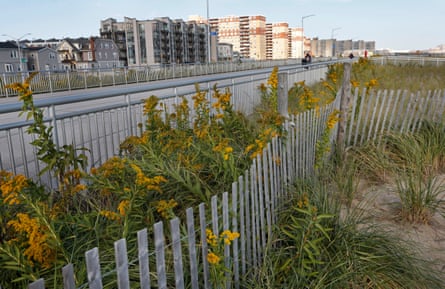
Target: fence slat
<point x="260" y="186"/>
<point x="203" y="226"/>
<point x="144" y="267"/>
<point x="235" y="242"/>
<point x="225" y="215"/>
<point x="374" y="112"/>
<point x="160" y="255"/>
<point x="385" y="116"/>
<point x="267" y="202"/>
<point x="120" y="249"/>
<point x="192" y="249"/>
<point x="177" y="253"/>
<point x="242" y="221"/>
<point x="93" y="269"/>
<point x="359" y="118"/>
<point x="38" y="284"/>
<point x="68" y="277"/>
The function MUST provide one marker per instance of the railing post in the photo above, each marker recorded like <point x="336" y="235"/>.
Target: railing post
<point x="100" y="77"/>
<point x="282" y="94"/>
<point x="85" y="79"/>
<point x="52" y="114"/>
<point x="68" y="79"/>
<point x="50" y="82"/>
<point x="129" y="118"/>
<point x="4" y="82"/>
<point x="345" y="97"/>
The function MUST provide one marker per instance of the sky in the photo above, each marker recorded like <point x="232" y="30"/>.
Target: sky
<point x="392" y="24"/>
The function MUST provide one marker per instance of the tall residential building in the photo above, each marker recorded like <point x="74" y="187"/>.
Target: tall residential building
<point x="111" y="29"/>
<point x="280" y="40"/>
<point x="296" y="36"/>
<point x="160" y="40"/>
<point x="247" y="34"/>
<point x="269" y="41"/>
<point x="322" y="47"/>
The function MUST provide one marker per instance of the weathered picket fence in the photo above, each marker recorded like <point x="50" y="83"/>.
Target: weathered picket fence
<point x="376" y="112"/>
<point x="250" y="209"/>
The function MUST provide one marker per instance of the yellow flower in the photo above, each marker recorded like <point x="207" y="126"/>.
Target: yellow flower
<point x="212" y="258"/>
<point x="273" y="78"/>
<point x="123" y="207"/>
<point x="11" y="187"/>
<point x="229" y="236"/>
<point x="165" y="209"/>
<point x="333" y="118"/>
<point x="110" y="215"/>
<point x="355" y="83"/>
<point x="37" y="243"/>
<point x="211" y="238"/>
<point x="149" y="183"/>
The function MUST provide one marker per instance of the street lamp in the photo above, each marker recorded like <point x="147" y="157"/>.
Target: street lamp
<point x="17" y="40"/>
<point x="333" y="41"/>
<point x="208" y="33"/>
<point x="333" y="30"/>
<point x="302" y="32"/>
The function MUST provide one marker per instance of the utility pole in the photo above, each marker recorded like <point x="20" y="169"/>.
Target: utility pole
<point x="302" y="32"/>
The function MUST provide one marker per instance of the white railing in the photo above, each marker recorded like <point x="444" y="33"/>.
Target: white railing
<point x="117" y="114"/>
<point x="54" y="81"/>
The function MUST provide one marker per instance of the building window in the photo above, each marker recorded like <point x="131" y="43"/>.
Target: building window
<point x="9" y="67"/>
<point x="14" y="54"/>
<point x="47" y="67"/>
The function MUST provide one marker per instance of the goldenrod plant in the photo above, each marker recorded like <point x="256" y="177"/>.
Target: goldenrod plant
<point x="66" y="162"/>
<point x="220" y="268"/>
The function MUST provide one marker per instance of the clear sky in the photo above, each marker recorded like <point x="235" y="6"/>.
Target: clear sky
<point x="394" y="24"/>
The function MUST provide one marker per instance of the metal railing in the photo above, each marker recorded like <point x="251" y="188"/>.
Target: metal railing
<point x="54" y="81"/>
<point x="403" y="60"/>
<point x="101" y="120"/>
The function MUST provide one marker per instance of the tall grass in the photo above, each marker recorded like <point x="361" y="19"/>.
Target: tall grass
<point x="315" y="248"/>
<point x="411" y="161"/>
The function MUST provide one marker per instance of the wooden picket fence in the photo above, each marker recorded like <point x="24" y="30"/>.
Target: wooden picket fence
<point x="374" y="113"/>
<point x="250" y="209"/>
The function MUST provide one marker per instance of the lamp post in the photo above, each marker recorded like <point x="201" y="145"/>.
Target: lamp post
<point x="302" y="32"/>
<point x="208" y="32"/>
<point x="17" y="40"/>
<point x="333" y="41"/>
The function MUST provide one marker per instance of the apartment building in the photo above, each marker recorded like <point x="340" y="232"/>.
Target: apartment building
<point x="296" y="42"/>
<point x="111" y="29"/>
<point x="280" y="40"/>
<point x="158" y="41"/>
<point x="247" y="34"/>
<point x="323" y="47"/>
